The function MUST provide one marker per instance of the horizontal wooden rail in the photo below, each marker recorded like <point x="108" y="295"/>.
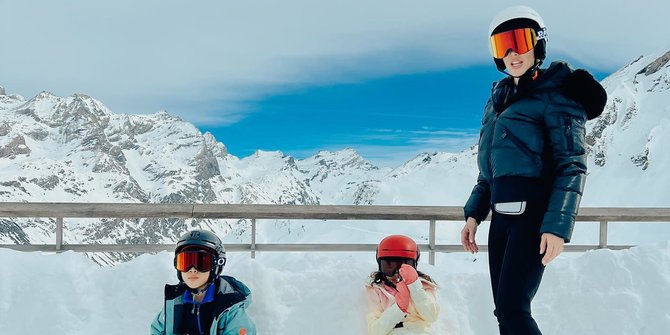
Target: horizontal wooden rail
<point x="228" y="211"/>
<point x="143" y="248"/>
<point x="323" y="212"/>
<point x="603" y="215"/>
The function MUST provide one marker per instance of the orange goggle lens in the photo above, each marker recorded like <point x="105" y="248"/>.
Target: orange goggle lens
<point x="201" y="260"/>
<point x="519" y="40"/>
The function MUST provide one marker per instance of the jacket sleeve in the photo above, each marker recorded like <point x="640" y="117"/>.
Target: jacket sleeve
<point x="236" y="321"/>
<point x="567" y="134"/>
<point x="424" y="301"/>
<point x="157" y="327"/>
<point x="478" y="205"/>
<point x="380" y="321"/>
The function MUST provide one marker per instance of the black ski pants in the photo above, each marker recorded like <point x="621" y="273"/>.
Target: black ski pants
<point x="516" y="268"/>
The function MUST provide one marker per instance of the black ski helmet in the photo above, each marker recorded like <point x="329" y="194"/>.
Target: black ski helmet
<point x="516" y="17"/>
<point x="203" y="239"/>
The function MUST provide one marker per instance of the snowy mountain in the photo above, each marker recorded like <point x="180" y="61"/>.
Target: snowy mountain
<point x="627" y="142"/>
<point x="74" y="149"/>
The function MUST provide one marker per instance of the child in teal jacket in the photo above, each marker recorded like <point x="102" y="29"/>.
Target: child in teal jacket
<point x="204" y="302"/>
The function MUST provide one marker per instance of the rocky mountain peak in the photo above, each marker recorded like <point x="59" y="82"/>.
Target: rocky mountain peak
<point x="637" y="100"/>
<point x="218" y="149"/>
<point x="655" y="66"/>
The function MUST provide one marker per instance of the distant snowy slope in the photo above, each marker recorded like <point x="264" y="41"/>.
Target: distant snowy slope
<point x="597" y="293"/>
<point x="629" y="158"/>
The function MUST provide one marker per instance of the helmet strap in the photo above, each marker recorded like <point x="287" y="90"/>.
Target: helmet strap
<point x="196" y="291"/>
<point x="386" y="281"/>
<point x="533" y="69"/>
<point x="217" y="269"/>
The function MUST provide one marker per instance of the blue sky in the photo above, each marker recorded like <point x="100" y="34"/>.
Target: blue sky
<point x="388" y="78"/>
<point x="388" y="120"/>
<point x="403" y="112"/>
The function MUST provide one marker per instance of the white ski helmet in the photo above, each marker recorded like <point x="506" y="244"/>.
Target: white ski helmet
<point x="520" y="17"/>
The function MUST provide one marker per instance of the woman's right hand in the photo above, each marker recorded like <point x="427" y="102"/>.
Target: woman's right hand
<point x="468" y="235"/>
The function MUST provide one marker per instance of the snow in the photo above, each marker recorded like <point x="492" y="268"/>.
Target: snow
<point x="597" y="292"/>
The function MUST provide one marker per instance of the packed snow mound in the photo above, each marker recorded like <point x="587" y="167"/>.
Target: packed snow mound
<point x="599" y="292"/>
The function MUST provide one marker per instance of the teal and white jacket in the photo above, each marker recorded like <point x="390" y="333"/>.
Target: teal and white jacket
<point x="230" y="301"/>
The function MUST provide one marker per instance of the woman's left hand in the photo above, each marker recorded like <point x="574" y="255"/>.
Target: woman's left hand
<point x="551" y="246"/>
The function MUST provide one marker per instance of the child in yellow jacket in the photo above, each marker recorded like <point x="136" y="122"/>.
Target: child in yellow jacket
<point x="402" y="300"/>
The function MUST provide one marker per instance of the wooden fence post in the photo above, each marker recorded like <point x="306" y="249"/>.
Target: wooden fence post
<point x="431" y="243"/>
<point x="602" y="243"/>
<point x="253" y="238"/>
<point x="59" y="234"/>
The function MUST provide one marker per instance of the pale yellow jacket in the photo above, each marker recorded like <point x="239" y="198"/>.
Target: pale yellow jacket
<point x="385" y="314"/>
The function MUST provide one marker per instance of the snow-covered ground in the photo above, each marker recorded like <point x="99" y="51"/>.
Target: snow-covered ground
<point x="598" y="292"/>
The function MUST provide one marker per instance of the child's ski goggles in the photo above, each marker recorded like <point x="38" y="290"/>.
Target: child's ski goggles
<point x="520" y="40"/>
<point x="203" y="261"/>
<point x="390" y="265"/>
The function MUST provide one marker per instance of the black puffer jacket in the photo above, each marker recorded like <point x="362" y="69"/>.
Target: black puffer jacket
<point x="531" y="145"/>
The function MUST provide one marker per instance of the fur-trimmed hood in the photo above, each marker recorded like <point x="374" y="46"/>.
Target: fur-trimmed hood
<point x="577" y="85"/>
<point x="581" y="87"/>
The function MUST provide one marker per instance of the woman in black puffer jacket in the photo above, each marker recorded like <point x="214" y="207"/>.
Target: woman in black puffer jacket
<point x="532" y="163"/>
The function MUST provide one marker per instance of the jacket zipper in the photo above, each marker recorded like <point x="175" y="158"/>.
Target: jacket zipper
<point x="493" y="128"/>
<point x="567" y="123"/>
<point x="520" y="144"/>
<point x="198" y="317"/>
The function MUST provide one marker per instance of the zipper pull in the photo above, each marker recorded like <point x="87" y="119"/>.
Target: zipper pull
<point x="504" y="133"/>
<point x="568" y="126"/>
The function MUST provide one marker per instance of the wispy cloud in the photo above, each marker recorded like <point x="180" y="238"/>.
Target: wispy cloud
<point x="144" y="56"/>
<point x="393" y="147"/>
<point x="417" y="136"/>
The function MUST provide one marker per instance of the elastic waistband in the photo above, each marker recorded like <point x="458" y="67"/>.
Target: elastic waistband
<point x="513" y="188"/>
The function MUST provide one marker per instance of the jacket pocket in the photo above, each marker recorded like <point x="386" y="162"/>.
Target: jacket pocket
<point x="574" y="133"/>
<point x="510" y="208"/>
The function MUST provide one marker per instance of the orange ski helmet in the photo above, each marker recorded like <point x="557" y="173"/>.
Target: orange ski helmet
<point x="398" y="246"/>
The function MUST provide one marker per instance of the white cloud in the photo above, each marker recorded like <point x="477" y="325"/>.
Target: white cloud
<point x="143" y="56"/>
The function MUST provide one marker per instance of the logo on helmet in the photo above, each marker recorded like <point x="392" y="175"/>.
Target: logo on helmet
<point x="542" y="34"/>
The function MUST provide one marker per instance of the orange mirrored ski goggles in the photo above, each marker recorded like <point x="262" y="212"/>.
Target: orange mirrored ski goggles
<point x="520" y="40"/>
<point x="202" y="261"/>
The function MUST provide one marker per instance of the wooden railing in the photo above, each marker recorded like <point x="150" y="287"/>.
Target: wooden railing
<point x="431" y="214"/>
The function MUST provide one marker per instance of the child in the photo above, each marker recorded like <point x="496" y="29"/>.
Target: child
<point x="402" y="300"/>
<point x="203" y="302"/>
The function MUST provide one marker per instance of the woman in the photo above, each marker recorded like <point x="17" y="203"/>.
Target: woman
<point x="532" y="163"/>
